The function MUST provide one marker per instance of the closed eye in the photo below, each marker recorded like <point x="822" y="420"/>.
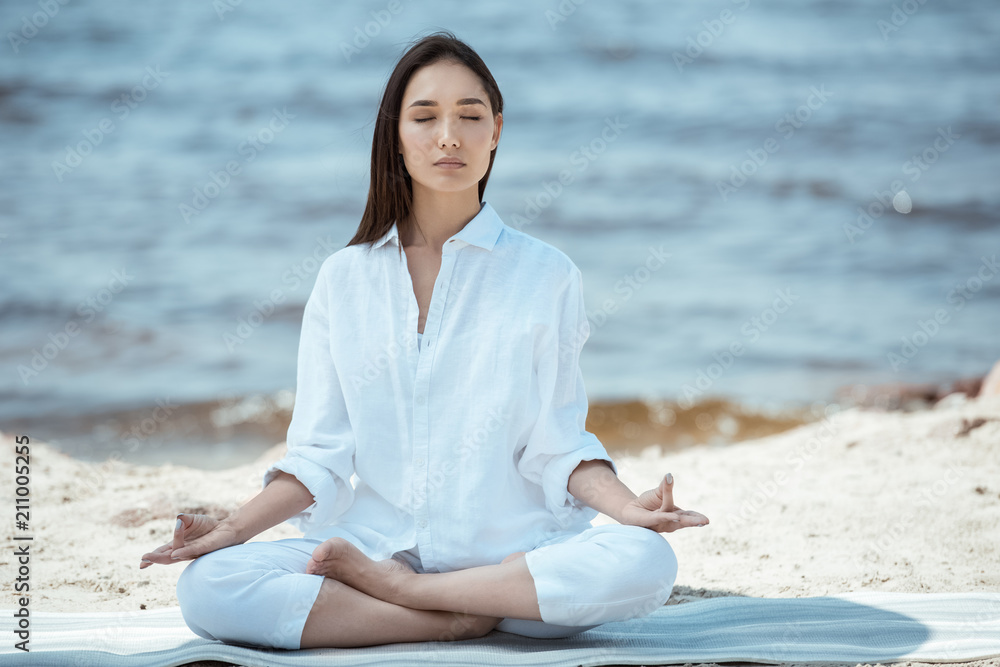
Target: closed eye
<point x="424" y="120"/>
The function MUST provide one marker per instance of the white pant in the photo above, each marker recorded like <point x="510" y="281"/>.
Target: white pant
<point x="258" y="593"/>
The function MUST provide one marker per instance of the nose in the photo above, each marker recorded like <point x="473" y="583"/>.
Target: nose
<point x="448" y="135"/>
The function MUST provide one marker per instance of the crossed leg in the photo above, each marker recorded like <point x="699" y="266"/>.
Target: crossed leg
<point x="506" y="590"/>
<point x="260" y="593"/>
<point x="345" y="616"/>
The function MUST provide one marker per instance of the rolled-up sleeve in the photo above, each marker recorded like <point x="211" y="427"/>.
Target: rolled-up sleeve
<point x="320" y="440"/>
<point x="559" y="440"/>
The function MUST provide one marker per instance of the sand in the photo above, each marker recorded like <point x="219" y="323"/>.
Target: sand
<point x="862" y="500"/>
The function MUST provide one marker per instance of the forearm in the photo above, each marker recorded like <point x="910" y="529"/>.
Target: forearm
<point x="596" y="485"/>
<point x="283" y="497"/>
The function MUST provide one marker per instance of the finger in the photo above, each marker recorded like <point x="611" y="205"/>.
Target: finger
<point x="191" y="550"/>
<point x="692" y="519"/>
<point x="158" y="551"/>
<point x="194" y="548"/>
<point x="685" y="519"/>
<point x="697" y="515"/>
<point x="162" y="550"/>
<point x="188" y="551"/>
<point x="160" y="555"/>
<point x="667" y="493"/>
<point x="179" y="532"/>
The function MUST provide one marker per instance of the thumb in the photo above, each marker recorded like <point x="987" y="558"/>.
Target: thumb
<point x="179" y="527"/>
<point x="666" y="493"/>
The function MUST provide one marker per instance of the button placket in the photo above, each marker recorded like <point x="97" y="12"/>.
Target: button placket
<point x="418" y="364"/>
<point x="421" y="386"/>
<point x="412" y="315"/>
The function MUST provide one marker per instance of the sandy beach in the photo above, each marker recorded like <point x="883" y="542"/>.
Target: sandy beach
<point x="861" y="500"/>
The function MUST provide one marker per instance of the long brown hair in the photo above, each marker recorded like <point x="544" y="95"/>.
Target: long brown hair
<point x="390" y="192"/>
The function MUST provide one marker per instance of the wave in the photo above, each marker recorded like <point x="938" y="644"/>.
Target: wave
<point x="224" y="432"/>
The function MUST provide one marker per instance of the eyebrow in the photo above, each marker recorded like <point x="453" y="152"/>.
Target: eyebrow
<point x="465" y="101"/>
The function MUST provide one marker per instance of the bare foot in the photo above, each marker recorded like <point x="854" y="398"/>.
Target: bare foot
<point x="395" y="565"/>
<point x="339" y="559"/>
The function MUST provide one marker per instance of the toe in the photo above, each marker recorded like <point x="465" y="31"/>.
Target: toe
<point x="325" y="551"/>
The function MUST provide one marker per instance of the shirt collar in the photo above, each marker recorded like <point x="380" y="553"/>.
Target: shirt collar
<point x="483" y="230"/>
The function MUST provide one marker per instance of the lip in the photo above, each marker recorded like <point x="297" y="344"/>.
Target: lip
<point x="449" y="163"/>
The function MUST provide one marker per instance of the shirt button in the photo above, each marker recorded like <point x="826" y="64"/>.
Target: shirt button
<point x="418" y="461"/>
<point x="420" y="400"/>
<point x="422" y="523"/>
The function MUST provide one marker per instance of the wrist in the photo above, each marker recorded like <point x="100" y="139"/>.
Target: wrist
<point x="595" y="484"/>
<point x="235" y="523"/>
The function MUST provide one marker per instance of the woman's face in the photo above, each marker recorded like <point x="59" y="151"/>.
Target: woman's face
<point x="446" y="113"/>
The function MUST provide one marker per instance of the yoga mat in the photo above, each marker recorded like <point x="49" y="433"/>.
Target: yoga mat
<point x="848" y="627"/>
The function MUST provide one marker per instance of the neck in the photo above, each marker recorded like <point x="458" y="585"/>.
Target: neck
<point x="439" y="215"/>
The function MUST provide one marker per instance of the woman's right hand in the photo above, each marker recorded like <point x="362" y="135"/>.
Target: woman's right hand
<point x="194" y="535"/>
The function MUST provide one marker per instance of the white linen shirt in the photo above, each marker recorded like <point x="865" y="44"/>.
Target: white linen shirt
<point x="463" y="448"/>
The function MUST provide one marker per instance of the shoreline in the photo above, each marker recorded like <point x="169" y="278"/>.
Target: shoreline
<point x="235" y="430"/>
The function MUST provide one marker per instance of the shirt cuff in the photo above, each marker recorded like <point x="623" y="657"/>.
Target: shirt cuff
<point x="331" y="495"/>
<point x="566" y="507"/>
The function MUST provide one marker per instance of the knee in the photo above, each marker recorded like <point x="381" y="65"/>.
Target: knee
<point x="662" y="559"/>
<point x="478" y="626"/>
<point x="614" y="572"/>
<point x="239" y="595"/>
<point x="458" y="626"/>
<point x="201" y="602"/>
<point x="653" y="564"/>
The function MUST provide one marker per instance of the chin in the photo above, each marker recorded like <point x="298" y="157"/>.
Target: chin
<point x="444" y="183"/>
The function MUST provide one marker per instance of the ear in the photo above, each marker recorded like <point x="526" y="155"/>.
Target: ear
<point x="497" y="127"/>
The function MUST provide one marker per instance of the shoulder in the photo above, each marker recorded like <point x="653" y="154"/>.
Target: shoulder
<point x="336" y="273"/>
<point x="344" y="261"/>
<point x="543" y="261"/>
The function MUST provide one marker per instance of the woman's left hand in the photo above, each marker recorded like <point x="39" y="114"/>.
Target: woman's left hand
<point x="655" y="509"/>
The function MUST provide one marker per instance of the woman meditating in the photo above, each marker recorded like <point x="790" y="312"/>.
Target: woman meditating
<point x="438" y="462"/>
